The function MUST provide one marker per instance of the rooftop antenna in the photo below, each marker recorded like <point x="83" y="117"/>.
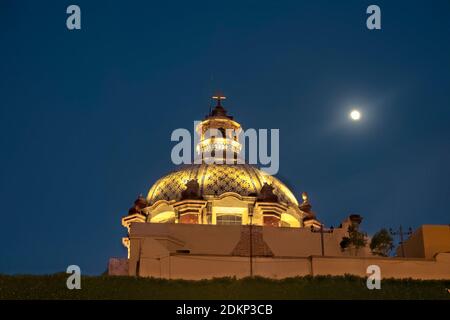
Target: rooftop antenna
<point x="212" y="85"/>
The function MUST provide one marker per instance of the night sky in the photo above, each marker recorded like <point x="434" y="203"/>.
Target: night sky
<point x="86" y="116"/>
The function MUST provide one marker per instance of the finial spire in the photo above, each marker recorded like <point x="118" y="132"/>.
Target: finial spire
<point x="219" y="97"/>
<point x="219" y="110"/>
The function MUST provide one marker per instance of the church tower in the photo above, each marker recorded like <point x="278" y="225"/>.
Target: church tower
<point x="219" y="136"/>
<point x="220" y="188"/>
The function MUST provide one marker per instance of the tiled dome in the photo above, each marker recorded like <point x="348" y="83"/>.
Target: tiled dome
<point x="215" y="179"/>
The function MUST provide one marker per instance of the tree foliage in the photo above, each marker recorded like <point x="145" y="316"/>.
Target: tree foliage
<point x="355" y="239"/>
<point x="382" y="243"/>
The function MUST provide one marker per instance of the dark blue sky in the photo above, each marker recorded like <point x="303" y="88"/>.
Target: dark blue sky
<point x="86" y="116"/>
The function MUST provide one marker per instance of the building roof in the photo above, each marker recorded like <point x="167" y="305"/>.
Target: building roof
<point x="216" y="179"/>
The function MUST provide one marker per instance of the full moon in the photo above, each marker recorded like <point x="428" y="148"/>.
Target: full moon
<point x="355" y="115"/>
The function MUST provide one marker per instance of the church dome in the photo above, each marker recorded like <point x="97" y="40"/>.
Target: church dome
<point x="216" y="179"/>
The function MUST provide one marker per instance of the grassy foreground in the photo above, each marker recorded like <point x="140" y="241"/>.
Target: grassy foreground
<point x="104" y="287"/>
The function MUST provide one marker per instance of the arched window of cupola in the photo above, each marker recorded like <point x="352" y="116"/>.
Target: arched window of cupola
<point x="222" y="133"/>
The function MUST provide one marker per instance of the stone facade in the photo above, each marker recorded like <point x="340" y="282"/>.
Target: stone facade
<point x="252" y="243"/>
<point x="177" y="251"/>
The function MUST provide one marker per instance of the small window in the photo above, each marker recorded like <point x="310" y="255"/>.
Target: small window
<point x="229" y="219"/>
<point x="222" y="133"/>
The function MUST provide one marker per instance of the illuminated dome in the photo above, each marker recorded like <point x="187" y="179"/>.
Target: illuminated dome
<point x="220" y="188"/>
<point x="216" y="179"/>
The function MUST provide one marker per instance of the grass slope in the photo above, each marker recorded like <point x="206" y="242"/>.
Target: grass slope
<point x="104" y="287"/>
